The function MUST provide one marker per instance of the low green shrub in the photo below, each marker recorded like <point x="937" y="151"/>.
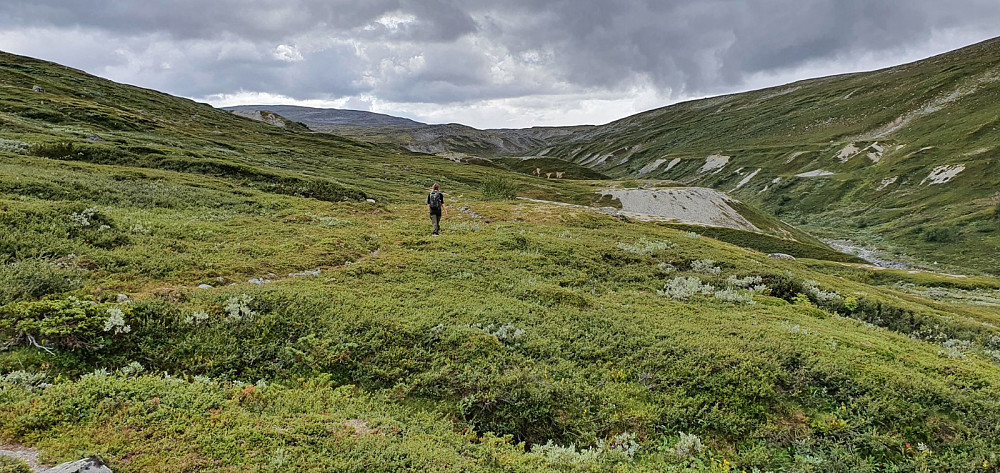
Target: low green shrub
<point x="13" y="465"/>
<point x="498" y="188"/>
<point x="69" y="324"/>
<point x="54" y="150"/>
<point x="33" y="279"/>
<point x="942" y="235"/>
<point x="96" y="228"/>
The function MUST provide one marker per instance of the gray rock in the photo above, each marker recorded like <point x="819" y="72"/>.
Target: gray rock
<point x="467" y="210"/>
<point x="204" y="286"/>
<point x="122" y="298"/>
<point x="314" y="272"/>
<point x="780" y="256"/>
<point x="37" y="89"/>
<point x="86" y="465"/>
<point x="370" y="201"/>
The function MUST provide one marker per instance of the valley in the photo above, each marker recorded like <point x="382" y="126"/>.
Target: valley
<point x="902" y="159"/>
<point x="186" y="289"/>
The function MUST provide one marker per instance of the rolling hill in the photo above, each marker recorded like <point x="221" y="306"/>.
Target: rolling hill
<point x="905" y="157"/>
<point x="329" y="119"/>
<point x="415" y="136"/>
<point x="184" y="289"/>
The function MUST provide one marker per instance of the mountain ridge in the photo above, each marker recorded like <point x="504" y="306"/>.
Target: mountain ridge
<point x="415" y="136"/>
<point x="327" y="119"/>
<point x="850" y="150"/>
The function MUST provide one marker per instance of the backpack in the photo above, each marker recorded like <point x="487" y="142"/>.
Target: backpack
<point x="436" y="199"/>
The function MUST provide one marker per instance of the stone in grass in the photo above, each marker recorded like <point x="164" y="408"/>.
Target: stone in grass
<point x="86" y="465"/>
<point x="122" y="298"/>
<point x="37" y="89"/>
<point x="780" y="256"/>
<point x="370" y="201"/>
<point x="204" y="286"/>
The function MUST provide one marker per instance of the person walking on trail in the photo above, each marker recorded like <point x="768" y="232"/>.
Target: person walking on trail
<point x="435" y="205"/>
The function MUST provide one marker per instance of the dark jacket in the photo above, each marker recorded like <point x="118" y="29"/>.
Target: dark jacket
<point x="435" y="197"/>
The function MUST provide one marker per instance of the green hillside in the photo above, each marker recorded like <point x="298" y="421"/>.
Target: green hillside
<point x="905" y="158"/>
<point x="182" y="289"/>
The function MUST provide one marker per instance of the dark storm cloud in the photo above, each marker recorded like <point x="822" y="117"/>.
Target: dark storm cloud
<point x="673" y="43"/>
<point x="265" y="20"/>
<point x="463" y="51"/>
<point x="195" y="19"/>
<point x="331" y="71"/>
<point x="701" y="45"/>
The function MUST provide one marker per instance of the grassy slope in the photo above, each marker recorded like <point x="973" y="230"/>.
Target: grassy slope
<point x="945" y="111"/>
<point x="531" y="323"/>
<point x="542" y="166"/>
<point x="451" y="138"/>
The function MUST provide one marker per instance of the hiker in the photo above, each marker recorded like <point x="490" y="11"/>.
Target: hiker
<point x="435" y="204"/>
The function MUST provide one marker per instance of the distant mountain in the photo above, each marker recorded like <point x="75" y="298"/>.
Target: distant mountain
<point x="412" y="135"/>
<point x="324" y="119"/>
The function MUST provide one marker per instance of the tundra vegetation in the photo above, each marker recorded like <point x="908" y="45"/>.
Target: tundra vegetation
<point x="529" y="337"/>
<point x="903" y="158"/>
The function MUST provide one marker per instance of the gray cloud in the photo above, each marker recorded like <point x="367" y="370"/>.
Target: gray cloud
<point x="464" y="54"/>
<point x="266" y="20"/>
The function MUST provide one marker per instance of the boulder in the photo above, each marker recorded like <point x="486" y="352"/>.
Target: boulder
<point x="780" y="256"/>
<point x="37" y="89"/>
<point x="86" y="465"/>
<point x="204" y="286"/>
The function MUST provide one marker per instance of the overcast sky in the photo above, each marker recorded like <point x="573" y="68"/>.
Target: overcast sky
<point x="485" y="63"/>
